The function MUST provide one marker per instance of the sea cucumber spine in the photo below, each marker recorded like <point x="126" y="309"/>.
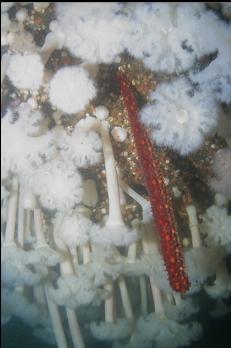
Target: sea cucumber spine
<point x="160" y="199"/>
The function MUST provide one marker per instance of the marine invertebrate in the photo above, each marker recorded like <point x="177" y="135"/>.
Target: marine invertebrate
<point x="179" y="116"/>
<point x="168" y="332"/>
<point x="201" y="263"/>
<point x="159" y="196"/>
<point x="215" y="77"/>
<point x="101" y="112"/>
<point x="222" y="170"/>
<point x="73" y="228"/>
<point x="111" y="331"/>
<point x="80" y="247"/>
<point x="58" y="185"/>
<point x="29" y="151"/>
<point x="54" y="40"/>
<point x="71" y="89"/>
<point x="26" y="71"/>
<point x="222" y="284"/>
<point x="86" y="31"/>
<point x="217" y="227"/>
<point x="83" y="146"/>
<point x="164" y="36"/>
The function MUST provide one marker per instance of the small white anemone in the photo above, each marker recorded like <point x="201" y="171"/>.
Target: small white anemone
<point x="222" y="169"/>
<point x="95" y="32"/>
<point x="20" y="151"/>
<point x="166" y="332"/>
<point x="58" y="185"/>
<point x="14" y="267"/>
<point x="75" y="290"/>
<point x="179" y="116"/>
<point x="71" y="89"/>
<point x="26" y="71"/>
<point x="119" y="134"/>
<point x="111" y="331"/>
<point x="82" y="146"/>
<point x="201" y="263"/>
<point x="164" y="35"/>
<point x="217" y="227"/>
<point x="119" y="235"/>
<point x="101" y="112"/>
<point x="72" y="228"/>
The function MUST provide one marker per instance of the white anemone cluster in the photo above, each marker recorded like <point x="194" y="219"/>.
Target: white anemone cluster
<point x="20" y="150"/>
<point x="72" y="228"/>
<point x="71" y="89"/>
<point x="82" y="146"/>
<point x="43" y="257"/>
<point x="75" y="290"/>
<point x="14" y="268"/>
<point x="106" y="263"/>
<point x="180" y="116"/>
<point x="217" y="227"/>
<point x="113" y="235"/>
<point x="222" y="172"/>
<point x="26" y="71"/>
<point x="95" y="32"/>
<point x="182" y="311"/>
<point x="201" y="263"/>
<point x="165" y="36"/>
<point x="168" y="333"/>
<point x="111" y="331"/>
<point x="216" y="76"/>
<point x="57" y="251"/>
<point x="152" y="265"/>
<point x="58" y="185"/>
<point x="29" y="119"/>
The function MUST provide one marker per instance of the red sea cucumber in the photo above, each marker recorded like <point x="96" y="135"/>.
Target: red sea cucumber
<point x="160" y="198"/>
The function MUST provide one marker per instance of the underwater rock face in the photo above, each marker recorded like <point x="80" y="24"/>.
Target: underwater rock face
<point x="115" y="185"/>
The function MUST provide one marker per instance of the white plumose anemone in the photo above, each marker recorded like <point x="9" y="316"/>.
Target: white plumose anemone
<point x="201" y="263"/>
<point x="168" y="333"/>
<point x="20" y="151"/>
<point x="71" y="89"/>
<point x="14" y="267"/>
<point x="73" y="228"/>
<point x="82" y="146"/>
<point x="111" y="331"/>
<point x="179" y="116"/>
<point x="26" y="71"/>
<point x="216" y="76"/>
<point x="222" y="172"/>
<point x="165" y="36"/>
<point x="113" y="235"/>
<point x="217" y="227"/>
<point x="58" y="185"/>
<point x="93" y="31"/>
<point x="75" y="290"/>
